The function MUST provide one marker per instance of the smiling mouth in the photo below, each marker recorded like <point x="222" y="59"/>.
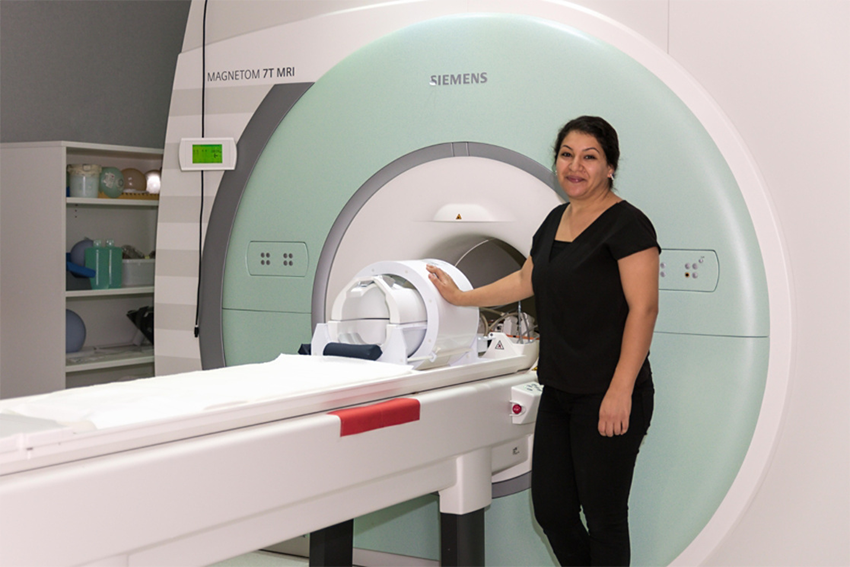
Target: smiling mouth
<point x="572" y="179"/>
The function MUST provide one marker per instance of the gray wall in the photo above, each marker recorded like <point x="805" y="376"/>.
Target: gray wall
<point x="88" y="70"/>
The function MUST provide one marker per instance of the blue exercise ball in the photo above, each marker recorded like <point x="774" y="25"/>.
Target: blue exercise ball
<point x="78" y="251"/>
<point x="75" y="331"/>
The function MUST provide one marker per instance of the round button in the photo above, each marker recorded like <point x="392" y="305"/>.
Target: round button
<point x="517" y="409"/>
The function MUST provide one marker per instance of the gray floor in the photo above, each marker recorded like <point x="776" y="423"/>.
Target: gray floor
<point x="263" y="559"/>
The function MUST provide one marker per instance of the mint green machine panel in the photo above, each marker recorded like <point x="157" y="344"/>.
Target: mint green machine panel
<point x="708" y="391"/>
<point x="379" y="105"/>
<point x="278" y="333"/>
<point x="518" y="79"/>
<point x="411" y="529"/>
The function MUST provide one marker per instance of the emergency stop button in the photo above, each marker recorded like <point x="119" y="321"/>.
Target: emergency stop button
<point x="524" y="401"/>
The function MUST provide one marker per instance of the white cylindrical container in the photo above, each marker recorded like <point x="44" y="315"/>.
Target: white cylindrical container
<point x="84" y="180"/>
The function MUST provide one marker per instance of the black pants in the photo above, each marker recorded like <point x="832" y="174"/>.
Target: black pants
<point x="575" y="468"/>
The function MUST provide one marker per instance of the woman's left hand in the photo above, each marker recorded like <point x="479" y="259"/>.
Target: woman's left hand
<point x="614" y="414"/>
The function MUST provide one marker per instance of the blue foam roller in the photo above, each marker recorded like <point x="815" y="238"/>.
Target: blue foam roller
<point x="367" y="352"/>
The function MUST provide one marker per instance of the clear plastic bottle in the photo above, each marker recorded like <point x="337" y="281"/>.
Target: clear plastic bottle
<point x="115" y="264"/>
<point x="97" y="259"/>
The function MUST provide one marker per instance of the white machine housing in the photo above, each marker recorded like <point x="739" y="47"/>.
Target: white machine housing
<point x="400" y="129"/>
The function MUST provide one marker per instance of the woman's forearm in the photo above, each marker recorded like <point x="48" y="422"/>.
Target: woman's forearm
<point x="637" y="336"/>
<point x="616" y="408"/>
<point x="511" y="288"/>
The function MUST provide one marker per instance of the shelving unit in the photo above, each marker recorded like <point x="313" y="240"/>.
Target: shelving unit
<point x="38" y="225"/>
<point x="114" y="355"/>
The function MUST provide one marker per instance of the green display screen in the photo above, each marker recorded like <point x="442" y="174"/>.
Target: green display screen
<point x="207" y="153"/>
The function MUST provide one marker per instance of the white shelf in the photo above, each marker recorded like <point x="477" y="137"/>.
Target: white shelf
<point x="99" y="358"/>
<point x="121" y="291"/>
<point x="98" y="202"/>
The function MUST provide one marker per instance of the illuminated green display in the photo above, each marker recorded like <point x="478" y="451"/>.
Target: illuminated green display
<point x="207" y="153"/>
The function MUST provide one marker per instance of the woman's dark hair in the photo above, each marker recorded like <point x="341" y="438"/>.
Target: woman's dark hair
<point x="599" y="129"/>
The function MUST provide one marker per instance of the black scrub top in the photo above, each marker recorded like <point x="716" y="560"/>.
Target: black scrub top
<point x="581" y="307"/>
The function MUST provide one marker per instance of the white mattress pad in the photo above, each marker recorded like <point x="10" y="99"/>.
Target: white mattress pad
<point x="165" y="397"/>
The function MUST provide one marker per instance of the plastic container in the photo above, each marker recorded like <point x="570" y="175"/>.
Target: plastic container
<point x="106" y="261"/>
<point x="97" y="259"/>
<point x="83" y="180"/>
<point x="115" y="264"/>
<point x="138" y="272"/>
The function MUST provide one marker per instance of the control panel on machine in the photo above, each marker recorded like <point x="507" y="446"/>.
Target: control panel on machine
<point x="207" y="154"/>
<point x="688" y="270"/>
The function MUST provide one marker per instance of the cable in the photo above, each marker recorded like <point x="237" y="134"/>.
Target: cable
<point x="201" y="214"/>
<point x="519" y="322"/>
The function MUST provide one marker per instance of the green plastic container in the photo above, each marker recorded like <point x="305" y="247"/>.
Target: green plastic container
<point x="97" y="258"/>
<point x="115" y="263"/>
<point x="107" y="262"/>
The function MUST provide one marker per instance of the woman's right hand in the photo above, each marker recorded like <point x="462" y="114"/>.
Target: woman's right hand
<point x="444" y="284"/>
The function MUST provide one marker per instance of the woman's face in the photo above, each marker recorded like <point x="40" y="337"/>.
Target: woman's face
<point x="581" y="167"/>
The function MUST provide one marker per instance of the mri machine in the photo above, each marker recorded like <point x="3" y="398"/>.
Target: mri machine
<point x="368" y="139"/>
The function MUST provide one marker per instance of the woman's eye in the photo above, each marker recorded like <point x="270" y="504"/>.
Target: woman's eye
<point x="590" y="156"/>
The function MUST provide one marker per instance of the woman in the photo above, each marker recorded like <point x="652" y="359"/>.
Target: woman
<point x="593" y="270"/>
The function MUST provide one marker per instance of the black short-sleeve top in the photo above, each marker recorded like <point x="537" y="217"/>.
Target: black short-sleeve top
<point x="581" y="307"/>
